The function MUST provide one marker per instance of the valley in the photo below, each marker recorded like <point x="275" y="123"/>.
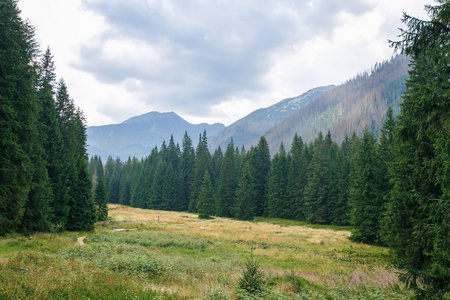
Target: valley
<point x="176" y="255"/>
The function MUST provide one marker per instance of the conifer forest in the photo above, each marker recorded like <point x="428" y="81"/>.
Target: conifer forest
<point x="393" y="189"/>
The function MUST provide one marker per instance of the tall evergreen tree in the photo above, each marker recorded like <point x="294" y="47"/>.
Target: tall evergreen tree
<point x="339" y="210"/>
<point x="261" y="165"/>
<point x="366" y="191"/>
<point x="100" y="200"/>
<point x="418" y="209"/>
<point x="17" y="115"/>
<point x="113" y="185"/>
<point x="201" y="165"/>
<point x="317" y="189"/>
<point x="277" y="193"/>
<point x="205" y="203"/>
<point x="186" y="172"/>
<point x="82" y="211"/>
<point x="244" y="207"/>
<point x="226" y="186"/>
<point x="297" y="177"/>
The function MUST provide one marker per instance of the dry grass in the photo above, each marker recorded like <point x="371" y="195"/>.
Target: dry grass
<point x="196" y="256"/>
<point x="228" y="229"/>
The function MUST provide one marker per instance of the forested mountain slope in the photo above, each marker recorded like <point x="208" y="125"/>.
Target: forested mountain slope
<point x="137" y="136"/>
<point x="350" y="107"/>
<point x="260" y="121"/>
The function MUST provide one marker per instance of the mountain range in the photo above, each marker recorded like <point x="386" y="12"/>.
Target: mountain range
<point x="350" y="107"/>
<point x="137" y="136"/>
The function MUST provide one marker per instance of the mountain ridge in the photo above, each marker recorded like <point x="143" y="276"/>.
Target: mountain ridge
<point x="138" y="135"/>
<point x="258" y="122"/>
<point x="343" y="109"/>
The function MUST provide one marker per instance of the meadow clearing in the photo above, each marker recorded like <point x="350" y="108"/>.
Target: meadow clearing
<point x="176" y="255"/>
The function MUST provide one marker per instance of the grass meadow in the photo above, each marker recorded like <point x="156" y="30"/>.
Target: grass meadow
<point x="173" y="255"/>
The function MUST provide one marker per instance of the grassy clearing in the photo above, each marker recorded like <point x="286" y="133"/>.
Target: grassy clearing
<point x="183" y="257"/>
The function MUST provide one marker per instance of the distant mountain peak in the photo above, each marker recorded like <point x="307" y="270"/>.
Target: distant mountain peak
<point x="151" y="116"/>
<point x="138" y="135"/>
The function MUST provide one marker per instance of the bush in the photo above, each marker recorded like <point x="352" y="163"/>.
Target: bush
<point x="253" y="278"/>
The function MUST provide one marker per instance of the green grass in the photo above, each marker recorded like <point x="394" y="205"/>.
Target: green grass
<point x="190" y="259"/>
<point x="284" y="222"/>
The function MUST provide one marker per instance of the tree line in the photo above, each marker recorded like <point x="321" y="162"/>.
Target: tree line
<point x="44" y="181"/>
<point x="320" y="182"/>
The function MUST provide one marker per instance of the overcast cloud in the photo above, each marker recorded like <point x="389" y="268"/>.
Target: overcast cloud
<point x="209" y="61"/>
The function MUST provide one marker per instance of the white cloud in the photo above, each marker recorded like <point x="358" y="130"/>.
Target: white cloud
<point x="209" y="61"/>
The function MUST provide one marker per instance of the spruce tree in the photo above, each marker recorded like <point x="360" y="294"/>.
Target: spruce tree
<point x="186" y="172"/>
<point x="17" y="115"/>
<point x="205" y="202"/>
<point x="418" y="207"/>
<point x="202" y="164"/>
<point x="100" y="200"/>
<point x="366" y="191"/>
<point x="317" y="189"/>
<point x="244" y="207"/>
<point x="297" y="177"/>
<point x="226" y="186"/>
<point x="261" y="165"/>
<point x="339" y="210"/>
<point x="277" y="187"/>
<point x="82" y="210"/>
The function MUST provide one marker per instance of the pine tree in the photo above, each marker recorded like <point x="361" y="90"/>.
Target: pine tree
<point x="418" y="208"/>
<point x="244" y="207"/>
<point x="317" y="190"/>
<point x="114" y="182"/>
<point x="201" y="165"/>
<point x="366" y="191"/>
<point x="277" y="193"/>
<point x="297" y="177"/>
<point x="82" y="210"/>
<point x="261" y="165"/>
<point x="226" y="186"/>
<point x="205" y="203"/>
<point x="186" y="172"/>
<point x="17" y="115"/>
<point x="100" y="200"/>
<point x="339" y="210"/>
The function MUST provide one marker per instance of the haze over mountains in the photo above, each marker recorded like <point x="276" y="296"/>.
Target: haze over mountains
<point x="361" y="101"/>
<point x="137" y="136"/>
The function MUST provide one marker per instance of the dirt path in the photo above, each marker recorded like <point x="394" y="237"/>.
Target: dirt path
<point x="80" y="240"/>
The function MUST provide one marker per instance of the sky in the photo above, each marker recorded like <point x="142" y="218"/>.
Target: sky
<point x="209" y="61"/>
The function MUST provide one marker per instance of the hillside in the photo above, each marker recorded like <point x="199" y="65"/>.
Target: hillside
<point x="138" y="135"/>
<point x="260" y="121"/>
<point x="350" y="107"/>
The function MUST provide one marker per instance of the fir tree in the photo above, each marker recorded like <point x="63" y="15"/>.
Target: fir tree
<point x="244" y="208"/>
<point x="201" y="165"/>
<point x="186" y="172"/>
<point x="366" y="191"/>
<point x="100" y="200"/>
<point x="82" y="214"/>
<point x="277" y="193"/>
<point x="17" y="115"/>
<point x="261" y="165"/>
<point x="226" y="186"/>
<point x="317" y="189"/>
<point x="418" y="208"/>
<point x="205" y="203"/>
<point x="297" y="177"/>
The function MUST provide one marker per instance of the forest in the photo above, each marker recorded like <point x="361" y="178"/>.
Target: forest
<point x="44" y="182"/>
<point x="393" y="189"/>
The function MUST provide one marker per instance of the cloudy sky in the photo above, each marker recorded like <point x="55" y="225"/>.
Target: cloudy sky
<point x="209" y="61"/>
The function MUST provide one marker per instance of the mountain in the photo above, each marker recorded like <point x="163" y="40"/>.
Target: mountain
<point x="137" y="136"/>
<point x="257" y="123"/>
<point x="350" y="107"/>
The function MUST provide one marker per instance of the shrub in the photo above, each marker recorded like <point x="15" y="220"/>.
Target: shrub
<point x="253" y="278"/>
